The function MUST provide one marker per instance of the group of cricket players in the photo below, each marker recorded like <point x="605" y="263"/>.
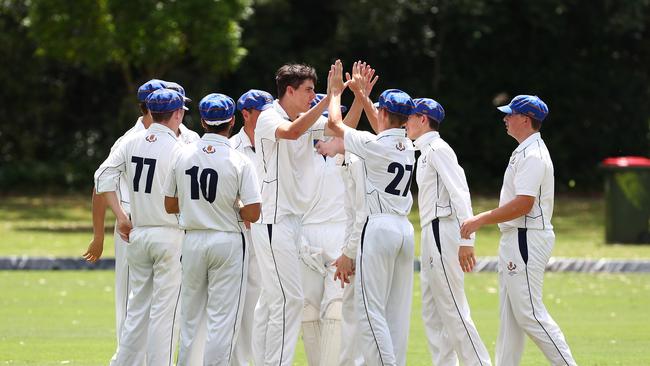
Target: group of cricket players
<point x="228" y="248"/>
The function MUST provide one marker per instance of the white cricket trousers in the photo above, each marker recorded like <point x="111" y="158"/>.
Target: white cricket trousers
<point x="150" y="329"/>
<point x="451" y="333"/>
<point x="121" y="287"/>
<point x="383" y="284"/>
<point x="243" y="354"/>
<point x="278" y="313"/>
<point x="350" y="351"/>
<point x="523" y="255"/>
<point x="212" y="295"/>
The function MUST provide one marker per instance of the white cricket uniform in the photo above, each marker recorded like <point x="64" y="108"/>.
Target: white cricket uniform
<point x="286" y="194"/>
<point x="444" y="202"/>
<point x="209" y="178"/>
<point x="355" y="216"/>
<point x="153" y="253"/>
<point x="385" y="260"/>
<point x="122" y="289"/>
<point x="243" y="353"/>
<point x="323" y="227"/>
<point x="525" y="248"/>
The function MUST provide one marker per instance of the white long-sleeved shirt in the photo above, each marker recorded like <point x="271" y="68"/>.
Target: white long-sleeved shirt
<point x="356" y="213"/>
<point x="442" y="185"/>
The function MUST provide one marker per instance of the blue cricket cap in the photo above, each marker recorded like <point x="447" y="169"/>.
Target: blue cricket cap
<point x="396" y="101"/>
<point x="149" y="87"/>
<point x="320" y="97"/>
<point x="429" y="108"/>
<point x="529" y="105"/>
<point x="176" y="86"/>
<point x="165" y="100"/>
<point x="255" y="99"/>
<point x="216" y="109"/>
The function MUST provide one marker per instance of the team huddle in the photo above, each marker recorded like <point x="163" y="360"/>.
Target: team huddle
<point x="227" y="249"/>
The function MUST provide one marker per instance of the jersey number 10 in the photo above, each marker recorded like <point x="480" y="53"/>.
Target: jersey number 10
<point x="207" y="181"/>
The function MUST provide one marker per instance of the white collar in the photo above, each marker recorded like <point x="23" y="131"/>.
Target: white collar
<point x="425" y="139"/>
<point x="400" y="132"/>
<point x="157" y="127"/>
<point x="214" y="137"/>
<point x="243" y="136"/>
<point x="278" y="108"/>
<point x="529" y="140"/>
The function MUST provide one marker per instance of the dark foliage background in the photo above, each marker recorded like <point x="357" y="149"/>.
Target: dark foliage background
<point x="69" y="72"/>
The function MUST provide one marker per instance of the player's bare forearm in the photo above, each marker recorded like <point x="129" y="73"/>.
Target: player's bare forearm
<point x="371" y="112"/>
<point x="171" y="205"/>
<point x="293" y="130"/>
<point x="96" y="246"/>
<point x="354" y="114"/>
<point x="519" y="206"/>
<point x="99" y="206"/>
<point x="124" y="225"/>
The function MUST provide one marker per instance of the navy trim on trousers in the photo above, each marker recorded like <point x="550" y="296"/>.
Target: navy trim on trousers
<point x="171" y="341"/>
<point x="523" y="250"/>
<point x="363" y="291"/>
<point x="241" y="284"/>
<point x="435" y="226"/>
<point x="269" y="227"/>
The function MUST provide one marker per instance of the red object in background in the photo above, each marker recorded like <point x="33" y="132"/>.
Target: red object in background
<point x="626" y="161"/>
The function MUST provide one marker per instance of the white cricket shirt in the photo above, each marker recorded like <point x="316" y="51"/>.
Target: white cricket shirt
<point x="355" y="203"/>
<point x="328" y="202"/>
<point x="145" y="157"/>
<point x="442" y="185"/>
<point x="187" y="136"/>
<point x="243" y="144"/>
<point x="530" y="173"/>
<point x="209" y="177"/>
<point x="287" y="164"/>
<point x="388" y="160"/>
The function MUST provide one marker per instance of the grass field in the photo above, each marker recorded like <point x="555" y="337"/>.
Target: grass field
<point x="61" y="226"/>
<point x="66" y="318"/>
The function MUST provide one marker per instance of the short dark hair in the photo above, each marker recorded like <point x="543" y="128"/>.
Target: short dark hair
<point x="396" y="118"/>
<point x="293" y="75"/>
<point x="433" y="124"/>
<point x="215" y="129"/>
<point x="143" y="108"/>
<point x="162" y="117"/>
<point x="535" y="123"/>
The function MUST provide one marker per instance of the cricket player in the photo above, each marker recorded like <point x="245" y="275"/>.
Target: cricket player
<point x="99" y="206"/>
<point x="527" y="238"/>
<point x="444" y="202"/>
<point x="207" y="183"/>
<point x="153" y="253"/>
<point x="385" y="259"/>
<point x="250" y="104"/>
<point x="284" y="138"/>
<point x="355" y="218"/>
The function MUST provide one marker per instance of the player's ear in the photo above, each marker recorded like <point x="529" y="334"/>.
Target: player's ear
<point x="245" y="113"/>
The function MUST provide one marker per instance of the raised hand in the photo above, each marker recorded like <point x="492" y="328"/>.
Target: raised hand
<point x="335" y="84"/>
<point x="369" y="81"/>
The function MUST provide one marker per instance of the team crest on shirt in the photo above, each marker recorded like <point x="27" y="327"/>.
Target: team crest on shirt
<point x="400" y="146"/>
<point x="512" y="268"/>
<point x="209" y="149"/>
<point x="151" y="138"/>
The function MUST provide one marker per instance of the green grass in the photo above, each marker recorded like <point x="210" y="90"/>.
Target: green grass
<point x="61" y="226"/>
<point x="66" y="318"/>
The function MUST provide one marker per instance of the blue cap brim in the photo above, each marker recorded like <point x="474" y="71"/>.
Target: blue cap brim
<point x="505" y="109"/>
<point x="185" y="108"/>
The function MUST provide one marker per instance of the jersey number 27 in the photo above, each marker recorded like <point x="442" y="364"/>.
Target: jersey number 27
<point x="399" y="169"/>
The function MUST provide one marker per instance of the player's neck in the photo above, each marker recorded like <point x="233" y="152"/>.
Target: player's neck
<point x="250" y="132"/>
<point x="291" y="111"/>
<point x="521" y="137"/>
<point x="147" y="120"/>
